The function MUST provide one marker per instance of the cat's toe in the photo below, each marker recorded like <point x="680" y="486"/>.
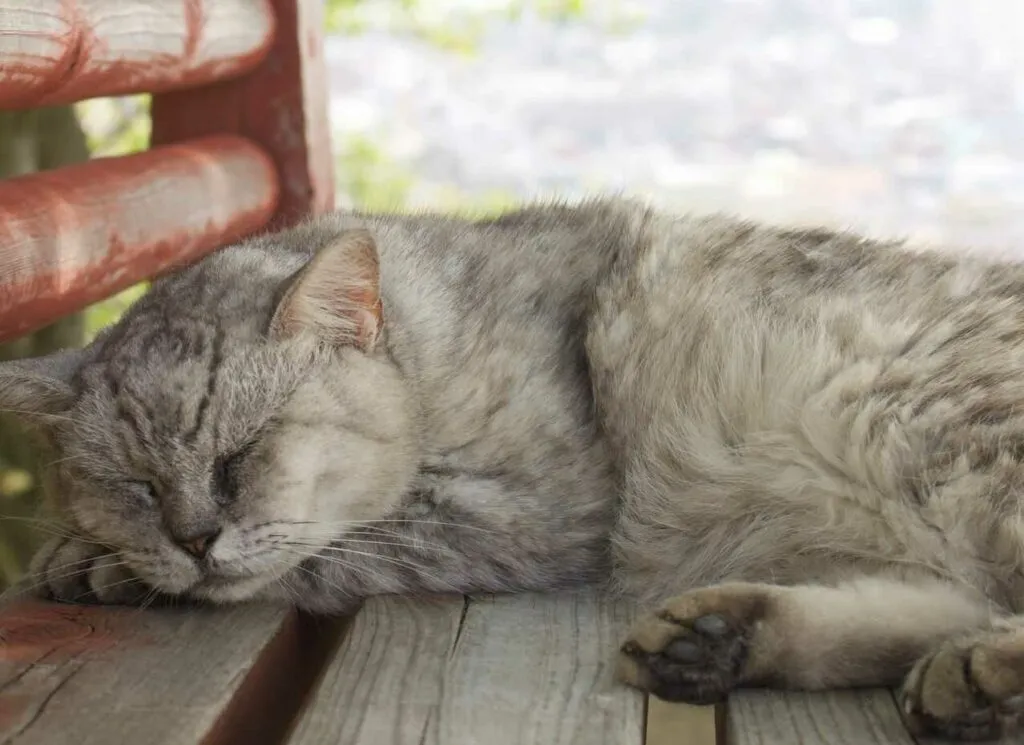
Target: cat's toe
<point x="71" y="570"/>
<point x="112" y="583"/>
<point x="969" y="689"/>
<point x="694" y="648"/>
<point x="60" y="570"/>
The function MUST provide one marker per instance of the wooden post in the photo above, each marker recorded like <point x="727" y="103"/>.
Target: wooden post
<point x="30" y="141"/>
<point x="281" y="105"/>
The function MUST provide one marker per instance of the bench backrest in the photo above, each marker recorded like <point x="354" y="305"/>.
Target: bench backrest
<point x="240" y="140"/>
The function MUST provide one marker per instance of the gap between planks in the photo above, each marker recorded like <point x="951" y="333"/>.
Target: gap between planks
<point x="682" y="724"/>
<point x="188" y="676"/>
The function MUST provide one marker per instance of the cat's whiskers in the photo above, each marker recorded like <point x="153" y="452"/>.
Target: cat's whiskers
<point x="356" y="524"/>
<point x="335" y="544"/>
<point x="65" y="459"/>
<point x="149" y="599"/>
<point x="42" y="578"/>
<point x="336" y="559"/>
<point x="324" y="580"/>
<point x="67" y="536"/>
<point x="367" y="554"/>
<point x="373" y="573"/>
<point x="39" y="414"/>
<point x="102" y="588"/>
<point x="293" y="595"/>
<point x="51" y="524"/>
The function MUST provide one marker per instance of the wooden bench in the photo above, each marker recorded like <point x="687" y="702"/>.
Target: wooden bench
<point x="522" y="670"/>
<point x="240" y="144"/>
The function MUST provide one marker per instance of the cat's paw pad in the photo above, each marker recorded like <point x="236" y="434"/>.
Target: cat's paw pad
<point x="968" y="689"/>
<point x="72" y="570"/>
<point x="694" y="647"/>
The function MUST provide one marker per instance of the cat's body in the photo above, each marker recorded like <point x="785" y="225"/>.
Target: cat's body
<point x="567" y="395"/>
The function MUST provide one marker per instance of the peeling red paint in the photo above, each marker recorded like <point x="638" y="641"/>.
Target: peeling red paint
<point x="78" y="234"/>
<point x="193" y="25"/>
<point x="281" y="105"/>
<point x="13" y="708"/>
<point x="71" y="55"/>
<point x="32" y="630"/>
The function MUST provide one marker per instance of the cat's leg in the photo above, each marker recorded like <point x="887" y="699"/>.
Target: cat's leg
<point x="74" y="570"/>
<point x="970" y="687"/>
<point x="701" y="645"/>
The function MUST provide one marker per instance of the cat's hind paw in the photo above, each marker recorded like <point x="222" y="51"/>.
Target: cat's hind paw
<point x="968" y="689"/>
<point x="694" y="648"/>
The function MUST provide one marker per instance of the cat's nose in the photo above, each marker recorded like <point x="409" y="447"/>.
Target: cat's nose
<point x="199" y="544"/>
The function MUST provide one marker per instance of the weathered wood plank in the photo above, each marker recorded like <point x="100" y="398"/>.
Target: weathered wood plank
<point x="102" y="675"/>
<point x="526" y="669"/>
<point x="681" y="724"/>
<point x="281" y="105"/>
<point x="829" y="718"/>
<point x="59" y="52"/>
<point x="75" y="235"/>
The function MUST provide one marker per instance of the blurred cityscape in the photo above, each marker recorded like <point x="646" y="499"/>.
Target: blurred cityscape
<point x="892" y="116"/>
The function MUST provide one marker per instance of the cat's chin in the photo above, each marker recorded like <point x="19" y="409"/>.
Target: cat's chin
<point x="217" y="590"/>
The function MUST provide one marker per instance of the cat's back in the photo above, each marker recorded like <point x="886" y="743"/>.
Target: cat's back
<point x="744" y="372"/>
<point x="716" y="307"/>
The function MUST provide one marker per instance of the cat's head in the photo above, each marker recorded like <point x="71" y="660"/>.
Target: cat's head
<point x="238" y="416"/>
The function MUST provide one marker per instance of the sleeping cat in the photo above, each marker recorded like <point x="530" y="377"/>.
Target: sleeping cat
<point x="803" y="449"/>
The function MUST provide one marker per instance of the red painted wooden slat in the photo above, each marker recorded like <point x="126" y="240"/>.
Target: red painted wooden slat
<point x="60" y="51"/>
<point x="78" y="234"/>
<point x="282" y="105"/>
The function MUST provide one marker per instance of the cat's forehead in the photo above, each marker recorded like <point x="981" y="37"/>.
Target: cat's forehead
<point x="159" y="337"/>
<point x="184" y="386"/>
<point x="188" y="319"/>
<point x="180" y="371"/>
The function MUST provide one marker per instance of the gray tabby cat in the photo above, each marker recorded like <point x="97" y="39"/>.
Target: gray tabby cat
<point x="803" y="448"/>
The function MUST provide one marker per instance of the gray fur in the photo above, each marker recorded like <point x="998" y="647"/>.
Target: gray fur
<point x="563" y="395"/>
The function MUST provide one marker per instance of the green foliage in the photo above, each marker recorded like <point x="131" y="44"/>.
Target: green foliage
<point x="555" y="10"/>
<point x="112" y="126"/>
<point x="104" y="313"/>
<point x="455" y="27"/>
<point x="115" y="126"/>
<point x="370" y="179"/>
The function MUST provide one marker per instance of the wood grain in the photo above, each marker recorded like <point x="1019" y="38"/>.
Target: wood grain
<point x="93" y="675"/>
<point x="828" y="718"/>
<point x="524" y="669"/>
<point x="58" y="52"/>
<point x="75" y="235"/>
<point x="281" y="105"/>
<point x="681" y="724"/>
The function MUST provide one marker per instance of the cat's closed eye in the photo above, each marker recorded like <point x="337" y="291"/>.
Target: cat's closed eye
<point x="225" y="474"/>
<point x="143" y="491"/>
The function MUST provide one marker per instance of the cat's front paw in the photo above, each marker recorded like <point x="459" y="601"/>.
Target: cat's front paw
<point x="968" y="689"/>
<point x="73" y="570"/>
<point x="695" y="646"/>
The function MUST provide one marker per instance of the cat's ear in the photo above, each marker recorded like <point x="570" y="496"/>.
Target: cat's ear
<point x="335" y="297"/>
<point x="39" y="386"/>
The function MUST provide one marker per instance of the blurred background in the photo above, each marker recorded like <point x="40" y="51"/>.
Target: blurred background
<point x="890" y="116"/>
